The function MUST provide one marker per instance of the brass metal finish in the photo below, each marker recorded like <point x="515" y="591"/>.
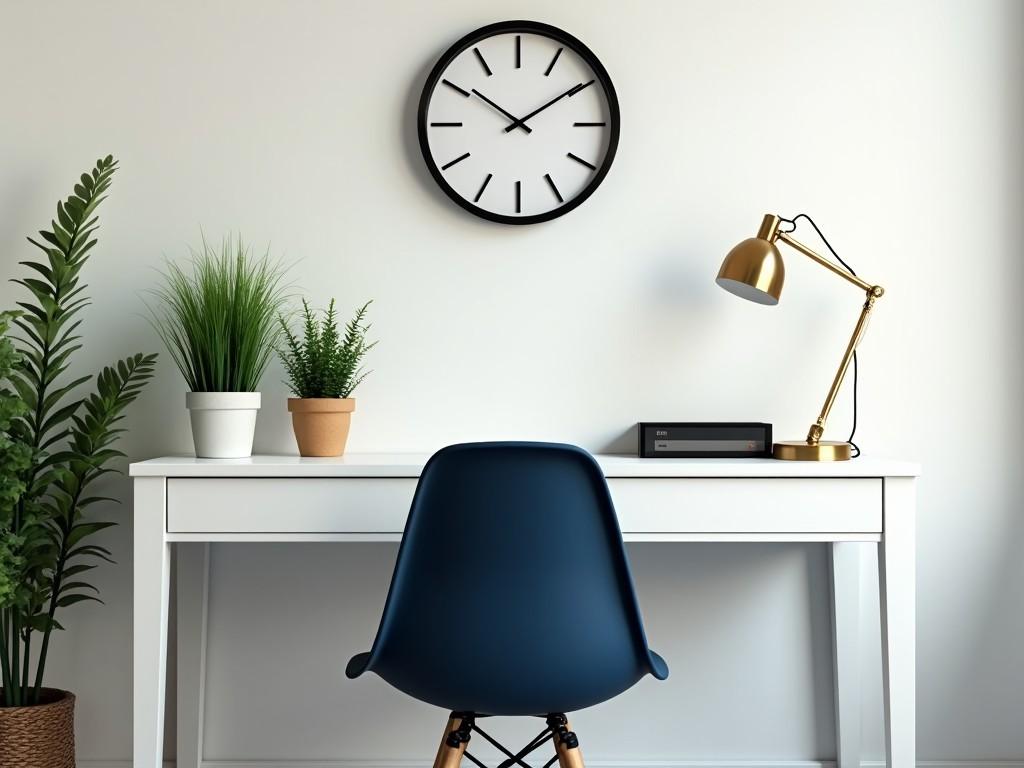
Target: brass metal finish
<point x="754" y="270"/>
<point x="567" y="757"/>
<point x="448" y="756"/>
<point x="826" y="263"/>
<point x="769" y="227"/>
<point x="824" y="450"/>
<point x="818" y="428"/>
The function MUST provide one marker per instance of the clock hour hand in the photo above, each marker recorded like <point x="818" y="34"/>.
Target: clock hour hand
<point x="517" y="123"/>
<point x="571" y="92"/>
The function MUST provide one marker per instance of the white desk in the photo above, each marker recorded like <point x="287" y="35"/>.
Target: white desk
<point x="366" y="498"/>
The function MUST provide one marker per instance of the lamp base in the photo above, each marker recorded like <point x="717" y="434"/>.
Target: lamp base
<point x="801" y="450"/>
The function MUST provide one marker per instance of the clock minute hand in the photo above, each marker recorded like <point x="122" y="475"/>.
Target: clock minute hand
<point x="571" y="92"/>
<point x="517" y="123"/>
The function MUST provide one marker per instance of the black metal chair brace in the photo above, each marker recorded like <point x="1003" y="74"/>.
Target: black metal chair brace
<point x="556" y="725"/>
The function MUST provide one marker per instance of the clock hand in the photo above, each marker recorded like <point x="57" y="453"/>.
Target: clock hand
<point x="516" y="122"/>
<point x="571" y="92"/>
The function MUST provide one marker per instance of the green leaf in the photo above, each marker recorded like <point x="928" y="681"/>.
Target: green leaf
<point x="59" y="416"/>
<point x="82" y="530"/>
<point x="41" y="622"/>
<point x="54" y="397"/>
<point x="24" y="390"/>
<point x="59" y="233"/>
<point x="42" y="269"/>
<point x="73" y="585"/>
<point x="89" y="501"/>
<point x="74" y="570"/>
<point x="91" y="550"/>
<point x="67" y="600"/>
<point x="69" y="224"/>
<point x="42" y="291"/>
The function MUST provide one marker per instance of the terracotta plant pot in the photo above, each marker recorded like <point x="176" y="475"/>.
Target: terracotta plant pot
<point x="42" y="736"/>
<point x="321" y="424"/>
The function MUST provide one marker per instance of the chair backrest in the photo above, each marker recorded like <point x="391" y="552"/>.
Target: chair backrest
<point x="512" y="592"/>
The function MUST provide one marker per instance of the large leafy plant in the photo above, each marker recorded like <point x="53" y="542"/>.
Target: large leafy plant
<point x="67" y="441"/>
<point x="323" y="364"/>
<point x="15" y="458"/>
<point x="218" y="320"/>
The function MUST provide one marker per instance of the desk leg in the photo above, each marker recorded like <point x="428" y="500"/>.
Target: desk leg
<point x="149" y="658"/>
<point x="896" y="576"/>
<point x="192" y="565"/>
<point x="844" y="562"/>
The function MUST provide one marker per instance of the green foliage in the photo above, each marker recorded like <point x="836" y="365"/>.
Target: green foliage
<point x="15" y="458"/>
<point x="68" y="441"/>
<point x="323" y="364"/>
<point x="218" y="322"/>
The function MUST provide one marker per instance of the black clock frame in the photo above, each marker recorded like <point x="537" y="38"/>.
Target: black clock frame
<point x="524" y="27"/>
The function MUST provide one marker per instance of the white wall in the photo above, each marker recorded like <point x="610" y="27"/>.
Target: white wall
<point x="897" y="125"/>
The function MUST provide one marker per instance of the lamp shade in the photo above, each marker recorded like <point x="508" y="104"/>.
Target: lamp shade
<point x="753" y="270"/>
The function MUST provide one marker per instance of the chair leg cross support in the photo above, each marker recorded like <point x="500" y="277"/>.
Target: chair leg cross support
<point x="461" y="725"/>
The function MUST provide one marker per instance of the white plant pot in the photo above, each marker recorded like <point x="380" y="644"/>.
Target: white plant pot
<point x="223" y="423"/>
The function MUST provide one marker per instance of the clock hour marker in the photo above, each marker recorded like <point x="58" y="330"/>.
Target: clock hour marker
<point x="570" y="155"/>
<point x="454" y="87"/>
<point x="586" y="125"/>
<point x="519" y="51"/>
<point x="483" y="187"/>
<point x="552" y="64"/>
<point x="553" y="187"/>
<point x="579" y="88"/>
<point x="480" y="58"/>
<point x="447" y="125"/>
<point x="519" y="197"/>
<point x="460" y="158"/>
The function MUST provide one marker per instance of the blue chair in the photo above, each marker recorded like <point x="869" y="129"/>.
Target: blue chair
<point x="511" y="595"/>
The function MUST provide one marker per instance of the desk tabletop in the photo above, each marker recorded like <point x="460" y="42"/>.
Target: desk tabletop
<point x="411" y="465"/>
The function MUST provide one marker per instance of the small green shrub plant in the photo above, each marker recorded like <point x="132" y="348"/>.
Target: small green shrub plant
<point x="324" y="363"/>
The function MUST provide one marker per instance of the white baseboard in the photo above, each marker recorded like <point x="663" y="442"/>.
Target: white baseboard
<point x="591" y="764"/>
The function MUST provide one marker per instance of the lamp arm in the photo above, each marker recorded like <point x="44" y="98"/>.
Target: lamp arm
<point x="872" y="293"/>
<point x="792" y="242"/>
<point x="817" y="429"/>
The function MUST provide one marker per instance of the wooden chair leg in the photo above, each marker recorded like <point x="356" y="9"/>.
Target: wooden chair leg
<point x="447" y="755"/>
<point x="569" y="754"/>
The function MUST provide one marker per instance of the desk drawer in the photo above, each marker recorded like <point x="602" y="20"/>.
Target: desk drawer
<point x="644" y="505"/>
<point x="748" y="505"/>
<point x="286" y="505"/>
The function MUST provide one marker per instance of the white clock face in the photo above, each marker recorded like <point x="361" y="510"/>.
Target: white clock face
<point x="519" y="122"/>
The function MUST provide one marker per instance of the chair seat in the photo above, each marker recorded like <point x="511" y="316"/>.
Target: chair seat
<point x="511" y="593"/>
<point x="499" y="697"/>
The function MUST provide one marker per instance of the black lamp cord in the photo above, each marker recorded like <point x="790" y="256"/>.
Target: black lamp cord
<point x="792" y="222"/>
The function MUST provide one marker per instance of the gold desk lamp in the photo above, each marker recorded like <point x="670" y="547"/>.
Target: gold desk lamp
<point x="754" y="270"/>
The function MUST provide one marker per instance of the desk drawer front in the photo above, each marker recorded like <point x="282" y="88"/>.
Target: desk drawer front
<point x="748" y="505"/>
<point x="644" y="505"/>
<point x="287" y="505"/>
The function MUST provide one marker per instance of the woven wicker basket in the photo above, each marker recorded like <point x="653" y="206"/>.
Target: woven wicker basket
<point x="42" y="736"/>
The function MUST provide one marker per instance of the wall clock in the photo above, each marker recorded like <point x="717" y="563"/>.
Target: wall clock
<point x="518" y="122"/>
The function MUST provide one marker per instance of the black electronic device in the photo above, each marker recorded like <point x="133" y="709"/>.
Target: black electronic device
<point x="705" y="440"/>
